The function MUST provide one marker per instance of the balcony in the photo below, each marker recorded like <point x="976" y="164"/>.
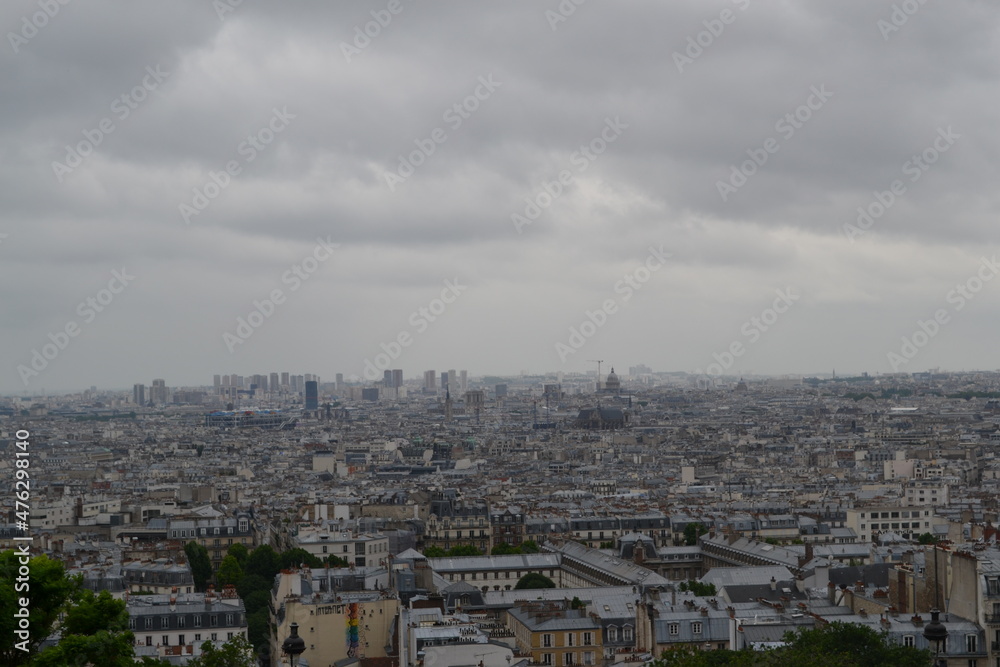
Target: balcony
<point x="993" y="619"/>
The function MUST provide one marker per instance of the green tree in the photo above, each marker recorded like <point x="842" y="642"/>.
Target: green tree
<point x="534" y="580"/>
<point x="692" y="532"/>
<point x="240" y="553"/>
<point x="577" y="603"/>
<point x="91" y="613"/>
<point x="201" y="564"/>
<point x="926" y="538"/>
<point x="504" y="549"/>
<point x="294" y="557"/>
<point x="237" y="652"/>
<point x="263" y="562"/>
<point x="434" y="551"/>
<point x="832" y="645"/>
<point x="252" y="582"/>
<point x="464" y="550"/>
<point x="259" y="628"/>
<point x="698" y="588"/>
<point x="229" y="572"/>
<point x="49" y="591"/>
<point x="529" y="547"/>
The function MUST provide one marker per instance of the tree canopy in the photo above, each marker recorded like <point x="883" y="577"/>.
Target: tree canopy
<point x="534" y="580"/>
<point x="832" y="645"/>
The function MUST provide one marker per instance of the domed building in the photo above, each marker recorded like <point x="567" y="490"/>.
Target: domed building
<point x="612" y="385"/>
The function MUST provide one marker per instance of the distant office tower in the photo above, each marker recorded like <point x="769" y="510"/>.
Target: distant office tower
<point x="139" y="394"/>
<point x="158" y="392"/>
<point x="272" y="385"/>
<point x="312" y="395"/>
<point x="453" y="378"/>
<point x="239" y="381"/>
<point x="259" y="381"/>
<point x="463" y="380"/>
<point x="217" y="381"/>
<point x="444" y="379"/>
<point x="501" y="390"/>
<point x="387" y="379"/>
<point x="225" y="380"/>
<point x="284" y="379"/>
<point x="429" y="380"/>
<point x="397" y="377"/>
<point x="369" y="394"/>
<point x="340" y="381"/>
<point x="300" y="383"/>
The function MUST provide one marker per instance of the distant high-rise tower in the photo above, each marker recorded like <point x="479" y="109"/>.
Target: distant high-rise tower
<point x="444" y="379"/>
<point x="340" y="382"/>
<point x="397" y="377"/>
<point x="453" y="379"/>
<point x="463" y="380"/>
<point x="139" y="394"/>
<point x="387" y="379"/>
<point x="158" y="392"/>
<point x="284" y="379"/>
<point x="273" y="384"/>
<point x="501" y="390"/>
<point x="217" y="381"/>
<point x="429" y="380"/>
<point x="312" y="395"/>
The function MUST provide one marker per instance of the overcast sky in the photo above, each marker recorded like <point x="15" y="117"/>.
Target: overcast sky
<point x="118" y="121"/>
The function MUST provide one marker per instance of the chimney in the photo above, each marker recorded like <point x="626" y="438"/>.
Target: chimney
<point x="774" y="584"/>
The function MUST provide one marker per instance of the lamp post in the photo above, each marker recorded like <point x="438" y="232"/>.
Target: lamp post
<point x="937" y="634"/>
<point x="293" y="646"/>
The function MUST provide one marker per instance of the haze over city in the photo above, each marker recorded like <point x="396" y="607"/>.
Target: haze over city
<point x="194" y="188"/>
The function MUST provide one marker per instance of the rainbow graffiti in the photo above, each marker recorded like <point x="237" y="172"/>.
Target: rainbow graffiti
<point x="352" y="630"/>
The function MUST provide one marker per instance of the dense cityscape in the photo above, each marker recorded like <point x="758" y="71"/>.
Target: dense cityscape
<point x="452" y="519"/>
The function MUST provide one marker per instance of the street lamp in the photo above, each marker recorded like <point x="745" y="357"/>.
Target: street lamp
<point x="937" y="634"/>
<point x="293" y="646"/>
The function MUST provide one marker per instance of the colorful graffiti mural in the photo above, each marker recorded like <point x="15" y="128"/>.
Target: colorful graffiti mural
<point x="352" y="630"/>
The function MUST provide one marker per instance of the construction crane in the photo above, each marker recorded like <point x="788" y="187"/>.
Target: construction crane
<point x="599" y="362"/>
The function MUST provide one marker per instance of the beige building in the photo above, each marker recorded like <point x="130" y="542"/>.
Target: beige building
<point x="335" y="624"/>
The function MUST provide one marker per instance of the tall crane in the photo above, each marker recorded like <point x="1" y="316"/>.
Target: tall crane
<point x="599" y="362"/>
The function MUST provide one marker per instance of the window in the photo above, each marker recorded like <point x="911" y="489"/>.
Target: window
<point x="547" y="641"/>
<point x="180" y="640"/>
<point x="215" y="636"/>
<point x="229" y="636"/>
<point x="166" y="640"/>
<point x="674" y="629"/>
<point x="546" y="658"/>
<point x="197" y="638"/>
<point x="131" y="623"/>
<point x="588" y="658"/>
<point x="908" y="640"/>
<point x="612" y="633"/>
<point x="696" y="627"/>
<point x="971" y="643"/>
<point x="567" y="658"/>
<point x="627" y="633"/>
<point x="588" y="639"/>
<point x="570" y="639"/>
<point x="181" y="621"/>
<point x="214" y="620"/>
<point x="197" y="621"/>
<point x="164" y="622"/>
<point x="149" y="621"/>
<point x="229" y="620"/>
<point x="149" y="640"/>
